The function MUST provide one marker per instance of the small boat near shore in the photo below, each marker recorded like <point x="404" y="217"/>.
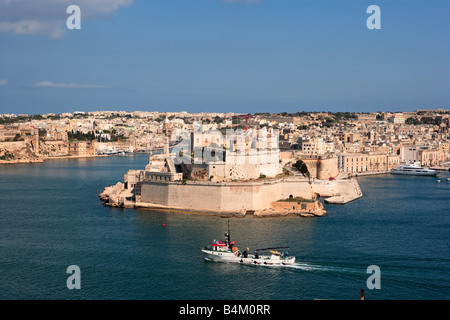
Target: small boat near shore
<point x="413" y="170"/>
<point x="227" y="251"/>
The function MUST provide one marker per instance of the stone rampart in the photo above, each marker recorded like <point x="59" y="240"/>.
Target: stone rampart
<point x="321" y="167"/>
<point x="222" y="196"/>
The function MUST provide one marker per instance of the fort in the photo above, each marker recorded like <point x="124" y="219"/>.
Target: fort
<point x="221" y="197"/>
<point x="253" y="182"/>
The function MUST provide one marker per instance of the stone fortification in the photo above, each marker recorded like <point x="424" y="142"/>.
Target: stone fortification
<point x="320" y="167"/>
<point x="221" y="196"/>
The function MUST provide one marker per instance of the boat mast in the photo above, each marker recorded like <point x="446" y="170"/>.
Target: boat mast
<point x="228" y="233"/>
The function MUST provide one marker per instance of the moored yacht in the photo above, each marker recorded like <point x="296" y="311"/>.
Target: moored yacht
<point x="413" y="169"/>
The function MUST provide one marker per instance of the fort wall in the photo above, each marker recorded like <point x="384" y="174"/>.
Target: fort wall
<point x="322" y="169"/>
<point x="221" y="196"/>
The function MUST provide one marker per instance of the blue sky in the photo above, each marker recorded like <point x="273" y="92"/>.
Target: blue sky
<point x="224" y="56"/>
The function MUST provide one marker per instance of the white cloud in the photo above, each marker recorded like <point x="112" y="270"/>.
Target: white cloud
<point x="48" y="17"/>
<point x="3" y="82"/>
<point x="49" y="84"/>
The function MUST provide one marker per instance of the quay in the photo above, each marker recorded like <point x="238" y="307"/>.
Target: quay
<point x="340" y="191"/>
<point x="440" y="168"/>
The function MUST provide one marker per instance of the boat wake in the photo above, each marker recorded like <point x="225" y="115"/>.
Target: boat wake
<point x="323" y="268"/>
<point x="309" y="267"/>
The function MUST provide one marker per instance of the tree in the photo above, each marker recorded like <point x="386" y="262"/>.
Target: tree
<point x="412" y="120"/>
<point x="302" y="168"/>
<point x="431" y="120"/>
<point x="218" y="119"/>
<point x="17" y="137"/>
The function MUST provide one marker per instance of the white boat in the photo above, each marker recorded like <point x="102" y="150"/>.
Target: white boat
<point x="413" y="169"/>
<point x="227" y="251"/>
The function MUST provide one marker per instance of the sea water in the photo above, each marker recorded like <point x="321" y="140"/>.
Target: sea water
<point x="51" y="218"/>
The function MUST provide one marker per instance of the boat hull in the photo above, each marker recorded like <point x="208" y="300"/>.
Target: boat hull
<point x="230" y="257"/>
<point x="417" y="173"/>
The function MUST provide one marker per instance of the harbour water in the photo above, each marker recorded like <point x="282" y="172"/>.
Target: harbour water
<point x="51" y="218"/>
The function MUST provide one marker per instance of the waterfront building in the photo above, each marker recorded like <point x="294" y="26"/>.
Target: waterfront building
<point x="366" y="162"/>
<point x="81" y="148"/>
<point x="423" y="154"/>
<point x="311" y="133"/>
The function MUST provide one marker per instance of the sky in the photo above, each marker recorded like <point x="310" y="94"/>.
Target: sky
<point x="243" y="56"/>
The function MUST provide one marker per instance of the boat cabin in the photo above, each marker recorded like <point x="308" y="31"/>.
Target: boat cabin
<point x="219" y="246"/>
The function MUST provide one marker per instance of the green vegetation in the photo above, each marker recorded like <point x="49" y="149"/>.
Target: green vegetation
<point x="412" y="121"/>
<point x="218" y="119"/>
<point x="80" y="136"/>
<point x="424" y="120"/>
<point x="7" y="156"/>
<point x="5" y="120"/>
<point x="296" y="199"/>
<point x="429" y="120"/>
<point x="17" y="137"/>
<point x="302" y="168"/>
<point x="159" y="119"/>
<point x="340" y="116"/>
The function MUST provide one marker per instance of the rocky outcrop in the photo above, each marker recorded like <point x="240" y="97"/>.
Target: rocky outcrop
<point x="18" y="152"/>
<point x="111" y="196"/>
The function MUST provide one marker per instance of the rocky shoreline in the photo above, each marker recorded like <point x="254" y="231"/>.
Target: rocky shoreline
<point x="44" y="159"/>
<point x="21" y="161"/>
